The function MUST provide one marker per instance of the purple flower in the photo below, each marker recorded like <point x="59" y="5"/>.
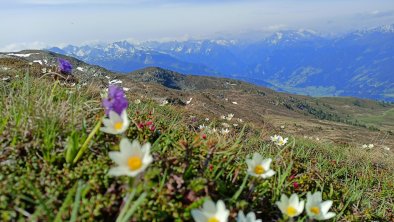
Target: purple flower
<point x="65" y="66"/>
<point x="116" y="100"/>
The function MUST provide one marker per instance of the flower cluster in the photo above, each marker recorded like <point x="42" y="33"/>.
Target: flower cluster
<point x="369" y="146"/>
<point x="290" y="207"/>
<point x="132" y="158"/>
<point x="279" y="140"/>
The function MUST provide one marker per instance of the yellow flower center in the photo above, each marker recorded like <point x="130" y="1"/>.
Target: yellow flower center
<point x="118" y="125"/>
<point x="134" y="162"/>
<point x="291" y="211"/>
<point x="259" y="169"/>
<point x="213" y="219"/>
<point x="315" y="210"/>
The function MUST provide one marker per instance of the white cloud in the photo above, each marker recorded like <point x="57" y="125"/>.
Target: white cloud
<point x="24" y="45"/>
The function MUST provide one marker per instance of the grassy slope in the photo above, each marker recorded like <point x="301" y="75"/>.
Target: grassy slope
<point x="37" y="184"/>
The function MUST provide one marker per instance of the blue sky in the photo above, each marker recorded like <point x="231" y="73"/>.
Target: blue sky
<point x="42" y="23"/>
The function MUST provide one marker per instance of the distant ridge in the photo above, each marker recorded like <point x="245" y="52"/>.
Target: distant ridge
<point x="359" y="63"/>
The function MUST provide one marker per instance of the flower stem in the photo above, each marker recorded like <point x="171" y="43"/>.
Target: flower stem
<point x="86" y="143"/>
<point x="239" y="191"/>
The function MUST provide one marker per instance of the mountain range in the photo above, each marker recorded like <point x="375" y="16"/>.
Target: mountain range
<point x="358" y="63"/>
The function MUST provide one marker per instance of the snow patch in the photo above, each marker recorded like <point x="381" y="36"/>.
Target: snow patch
<point x="37" y="61"/>
<point x="21" y="55"/>
<point x="80" y="69"/>
<point x="115" y="81"/>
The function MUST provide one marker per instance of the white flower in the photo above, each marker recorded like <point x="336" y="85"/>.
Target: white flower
<point x="226" y="125"/>
<point x="202" y="127"/>
<point x="137" y="101"/>
<point x="132" y="158"/>
<point x="189" y="101"/>
<point x="317" y="138"/>
<point x="126" y="89"/>
<point x="235" y="124"/>
<point x="370" y="146"/>
<point x="239" y="120"/>
<point x="224" y="131"/>
<point x="275" y="138"/>
<point x="291" y="207"/>
<point x="282" y="127"/>
<point x="235" y="103"/>
<point x="259" y="167"/>
<point x="229" y="116"/>
<point x="115" y="124"/>
<point x="365" y="146"/>
<point x="386" y="148"/>
<point x="207" y="119"/>
<point x="316" y="208"/>
<point x="250" y="217"/>
<point x="279" y="140"/>
<point x="211" y="212"/>
<point x="222" y="117"/>
<point x="165" y="102"/>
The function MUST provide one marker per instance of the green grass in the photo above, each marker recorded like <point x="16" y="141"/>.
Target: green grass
<point x="386" y="118"/>
<point x="40" y="118"/>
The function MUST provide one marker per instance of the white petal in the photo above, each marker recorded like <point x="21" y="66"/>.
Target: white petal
<point x="130" y="149"/>
<point x="198" y="216"/>
<point x="147" y="160"/>
<point x="118" y="158"/>
<point x="251" y="216"/>
<point x="266" y="163"/>
<point x="108" y="130"/>
<point x="114" y="117"/>
<point x="241" y="216"/>
<point x="284" y="199"/>
<point x="251" y="172"/>
<point x="118" y="171"/>
<point x="209" y="207"/>
<point x="136" y="148"/>
<point x="300" y="207"/>
<point x="309" y="198"/>
<point x="268" y="174"/>
<point x="250" y="164"/>
<point x="327" y="216"/>
<point x="281" y="206"/>
<point x="223" y="215"/>
<point x="317" y="197"/>
<point x="107" y="122"/>
<point x="325" y="206"/>
<point x="146" y="149"/>
<point x="257" y="158"/>
<point x="220" y="206"/>
<point x="294" y="201"/>
<point x="135" y="172"/>
<point x="125" y="121"/>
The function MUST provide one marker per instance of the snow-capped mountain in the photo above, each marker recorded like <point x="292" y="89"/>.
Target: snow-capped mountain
<point x="125" y="57"/>
<point x="359" y="63"/>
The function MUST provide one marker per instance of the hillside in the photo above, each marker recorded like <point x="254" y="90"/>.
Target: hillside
<point x="212" y="96"/>
<point x="44" y="119"/>
<point x="358" y="63"/>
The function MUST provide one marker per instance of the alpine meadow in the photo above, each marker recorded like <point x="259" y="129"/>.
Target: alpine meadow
<point x="206" y="111"/>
